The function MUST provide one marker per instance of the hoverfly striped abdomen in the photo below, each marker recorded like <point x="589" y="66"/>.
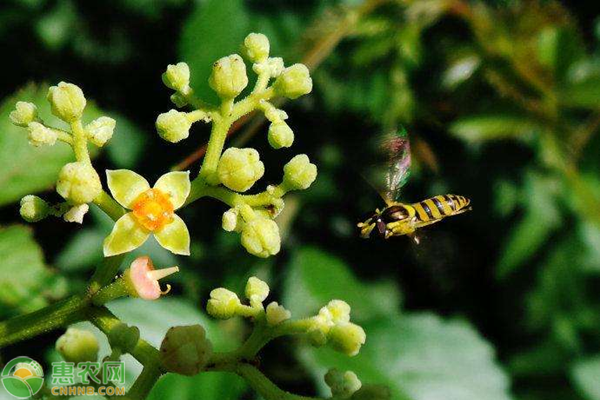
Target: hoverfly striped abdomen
<point x="438" y="207"/>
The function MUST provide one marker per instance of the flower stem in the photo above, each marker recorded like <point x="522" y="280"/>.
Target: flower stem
<point x="107" y="204"/>
<point x="57" y="315"/>
<point x="263" y="386"/>
<point x="214" y="149"/>
<point x="80" y="142"/>
<point x="105" y="273"/>
<point x="111" y="292"/>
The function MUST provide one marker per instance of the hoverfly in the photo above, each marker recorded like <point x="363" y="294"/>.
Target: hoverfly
<point x="389" y="176"/>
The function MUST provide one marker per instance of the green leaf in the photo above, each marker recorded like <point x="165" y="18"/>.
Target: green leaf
<point x="316" y="277"/>
<point x="558" y="49"/>
<point x="127" y="144"/>
<point x="214" y="30"/>
<point x="421" y="357"/>
<point x="483" y="127"/>
<point x="24" y="278"/>
<point x="584" y="374"/>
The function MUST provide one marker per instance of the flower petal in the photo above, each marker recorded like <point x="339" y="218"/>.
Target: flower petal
<point x="126" y="235"/>
<point x="175" y="237"/>
<point x="126" y="185"/>
<point x="176" y="185"/>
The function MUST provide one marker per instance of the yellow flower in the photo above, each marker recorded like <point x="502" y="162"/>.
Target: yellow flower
<point x="152" y="212"/>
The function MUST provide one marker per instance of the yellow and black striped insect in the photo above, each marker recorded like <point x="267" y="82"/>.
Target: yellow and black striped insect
<point x="397" y="218"/>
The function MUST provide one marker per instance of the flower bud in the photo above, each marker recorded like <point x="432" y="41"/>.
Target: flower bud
<point x="223" y="303"/>
<point x="178" y="100"/>
<point x="77" y="345"/>
<point x="231" y="220"/>
<point x="76" y="213"/>
<point x="256" y="47"/>
<point x="143" y="280"/>
<point x="24" y="114"/>
<point x="67" y="101"/>
<point x="261" y="237"/>
<point x="347" y="338"/>
<point x="185" y="350"/>
<point x="299" y="173"/>
<point x="33" y="208"/>
<point x="124" y="337"/>
<point x="239" y="169"/>
<point x="228" y="77"/>
<point x="338" y="310"/>
<point x="177" y="77"/>
<point x="39" y="135"/>
<point x="173" y="126"/>
<point x="276" y="314"/>
<point x="256" y="290"/>
<point x="342" y="384"/>
<point x="78" y="183"/>
<point x="280" y="135"/>
<point x="294" y="82"/>
<point x="101" y="130"/>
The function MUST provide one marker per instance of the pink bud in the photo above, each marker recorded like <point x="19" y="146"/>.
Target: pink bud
<point x="144" y="278"/>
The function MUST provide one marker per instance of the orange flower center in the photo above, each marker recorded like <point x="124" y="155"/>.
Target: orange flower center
<point x="153" y="209"/>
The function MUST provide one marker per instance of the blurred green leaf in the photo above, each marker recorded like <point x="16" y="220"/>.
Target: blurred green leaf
<point x="25" y="280"/>
<point x="558" y="49"/>
<point x="460" y="70"/>
<point x="484" y="127"/>
<point x="586" y="377"/>
<point x="127" y="144"/>
<point x="55" y="28"/>
<point x="316" y="277"/>
<point x="421" y="357"/>
<point x="215" y="29"/>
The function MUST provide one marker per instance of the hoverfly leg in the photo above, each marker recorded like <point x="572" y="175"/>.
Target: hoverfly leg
<point x="414" y="237"/>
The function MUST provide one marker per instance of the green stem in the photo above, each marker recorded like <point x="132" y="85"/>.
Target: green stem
<point x="105" y="273"/>
<point x="107" y="204"/>
<point x="263" y="386"/>
<point x="214" y="149"/>
<point x="144" y="382"/>
<point x="117" y="289"/>
<point x="57" y="315"/>
<point x="80" y="142"/>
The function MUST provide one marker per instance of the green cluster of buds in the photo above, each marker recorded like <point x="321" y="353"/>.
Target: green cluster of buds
<point x="185" y="350"/>
<point x="342" y="384"/>
<point x="77" y="345"/>
<point x="239" y="169"/>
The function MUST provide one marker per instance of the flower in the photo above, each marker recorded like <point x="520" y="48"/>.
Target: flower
<point x="185" y="350"/>
<point x="228" y="77"/>
<point x="256" y="47"/>
<point x="261" y="237"/>
<point x="39" y="135"/>
<point x="24" y="113"/>
<point x="77" y="345"/>
<point x="299" y="173"/>
<point x="276" y="314"/>
<point x="67" y="101"/>
<point x="142" y="279"/>
<point x="78" y="183"/>
<point x="173" y="126"/>
<point x="76" y="213"/>
<point x="223" y="303"/>
<point x="347" y="338"/>
<point x="239" y="169"/>
<point x="231" y="220"/>
<point x="177" y="77"/>
<point x="152" y="212"/>
<point x="33" y="208"/>
<point x="294" y="82"/>
<point x="280" y="135"/>
<point x="101" y="130"/>
<point x="256" y="290"/>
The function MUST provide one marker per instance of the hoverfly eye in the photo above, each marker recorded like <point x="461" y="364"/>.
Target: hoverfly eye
<point x="394" y="213"/>
<point x="381" y="228"/>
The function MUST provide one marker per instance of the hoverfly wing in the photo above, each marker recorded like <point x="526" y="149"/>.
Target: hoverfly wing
<point x="388" y="164"/>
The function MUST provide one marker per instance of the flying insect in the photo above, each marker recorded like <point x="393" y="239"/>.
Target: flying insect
<point x="389" y="175"/>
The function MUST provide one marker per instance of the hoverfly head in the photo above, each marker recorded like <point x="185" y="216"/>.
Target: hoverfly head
<point x="371" y="224"/>
<point x="394" y="213"/>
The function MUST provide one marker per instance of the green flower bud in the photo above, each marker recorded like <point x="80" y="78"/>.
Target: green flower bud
<point x="39" y="135"/>
<point x="276" y="314"/>
<point x="173" y="126"/>
<point x="317" y="337"/>
<point x="342" y="384"/>
<point x="67" y="101"/>
<point x="256" y="47"/>
<point x="228" y="77"/>
<point x="101" y="130"/>
<point x="77" y="345"/>
<point x="78" y="183"/>
<point x="24" y="114"/>
<point x="239" y="169"/>
<point x="177" y="77"/>
<point x="337" y="311"/>
<point x="185" y="350"/>
<point x="261" y="237"/>
<point x="231" y="220"/>
<point x="280" y="135"/>
<point x="299" y="173"/>
<point x="294" y="82"/>
<point x="347" y="338"/>
<point x="223" y="303"/>
<point x="124" y="337"/>
<point x="33" y="208"/>
<point x="373" y="392"/>
<point x="256" y="290"/>
<point x="76" y="213"/>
